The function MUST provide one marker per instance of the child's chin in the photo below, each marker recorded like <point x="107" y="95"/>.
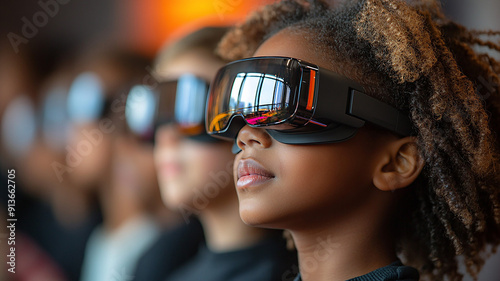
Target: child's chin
<point x="256" y="217"/>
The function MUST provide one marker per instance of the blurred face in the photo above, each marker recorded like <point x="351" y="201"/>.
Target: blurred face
<point x="290" y="186"/>
<point x="134" y="170"/>
<point x="91" y="138"/>
<point x="38" y="166"/>
<point x="25" y="148"/>
<point x="89" y="154"/>
<point x="192" y="173"/>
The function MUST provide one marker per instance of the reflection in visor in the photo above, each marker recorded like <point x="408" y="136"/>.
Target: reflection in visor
<point x="54" y="119"/>
<point x="19" y="126"/>
<point x="257" y="91"/>
<point x="258" y="97"/>
<point x="190" y="100"/>
<point x="264" y="92"/>
<point x="140" y="110"/>
<point x="86" y="98"/>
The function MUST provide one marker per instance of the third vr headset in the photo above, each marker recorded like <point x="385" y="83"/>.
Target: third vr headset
<point x="297" y="102"/>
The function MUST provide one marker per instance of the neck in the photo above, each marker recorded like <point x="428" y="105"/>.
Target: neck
<point x="345" y="248"/>
<point x="71" y="205"/>
<point x="224" y="229"/>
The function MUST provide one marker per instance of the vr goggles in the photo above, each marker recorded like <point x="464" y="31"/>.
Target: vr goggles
<point x="87" y="99"/>
<point x="23" y="121"/>
<point x="54" y="117"/>
<point x="296" y="101"/>
<point x="180" y="101"/>
<point x="19" y="126"/>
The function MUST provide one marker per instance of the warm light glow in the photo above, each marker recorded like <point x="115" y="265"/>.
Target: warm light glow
<point x="152" y="22"/>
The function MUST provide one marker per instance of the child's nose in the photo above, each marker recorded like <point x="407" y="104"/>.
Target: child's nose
<point x="167" y="135"/>
<point x="253" y="137"/>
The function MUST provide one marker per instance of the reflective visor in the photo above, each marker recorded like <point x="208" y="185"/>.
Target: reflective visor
<point x="19" y="126"/>
<point x="86" y="98"/>
<point x="263" y="92"/>
<point x="140" y="110"/>
<point x="180" y="101"/>
<point x="295" y="101"/>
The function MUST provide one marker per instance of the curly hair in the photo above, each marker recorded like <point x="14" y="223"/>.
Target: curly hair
<point x="426" y="65"/>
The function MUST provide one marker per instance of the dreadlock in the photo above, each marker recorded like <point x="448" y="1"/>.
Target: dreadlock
<point x="410" y="55"/>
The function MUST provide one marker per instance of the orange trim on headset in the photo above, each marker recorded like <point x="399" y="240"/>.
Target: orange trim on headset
<point x="312" y="84"/>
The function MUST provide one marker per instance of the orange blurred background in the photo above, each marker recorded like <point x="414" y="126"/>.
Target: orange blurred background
<point x="152" y="21"/>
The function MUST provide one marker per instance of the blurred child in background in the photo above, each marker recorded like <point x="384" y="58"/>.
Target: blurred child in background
<point x="195" y="171"/>
<point x="55" y="217"/>
<point x="107" y="158"/>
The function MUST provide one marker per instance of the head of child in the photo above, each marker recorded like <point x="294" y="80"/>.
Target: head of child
<point x="95" y="105"/>
<point x="194" y="171"/>
<point x="432" y="195"/>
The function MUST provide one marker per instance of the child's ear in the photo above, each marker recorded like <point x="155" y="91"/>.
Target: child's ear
<point x="400" y="165"/>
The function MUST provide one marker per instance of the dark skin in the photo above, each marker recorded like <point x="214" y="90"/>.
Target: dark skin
<point x="335" y="199"/>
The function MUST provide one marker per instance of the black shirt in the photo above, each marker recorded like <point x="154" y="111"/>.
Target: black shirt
<point x="266" y="261"/>
<point x="396" y="271"/>
<point x="174" y="248"/>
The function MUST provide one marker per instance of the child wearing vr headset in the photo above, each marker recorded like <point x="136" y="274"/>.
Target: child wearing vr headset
<point x="362" y="130"/>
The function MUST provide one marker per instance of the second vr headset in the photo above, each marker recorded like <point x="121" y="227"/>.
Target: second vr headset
<point x="181" y="102"/>
<point x="296" y="101"/>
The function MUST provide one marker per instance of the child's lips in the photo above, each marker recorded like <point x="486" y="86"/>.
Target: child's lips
<point x="251" y="173"/>
<point x="169" y="169"/>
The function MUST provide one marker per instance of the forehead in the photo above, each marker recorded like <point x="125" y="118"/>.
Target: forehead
<point x="199" y="63"/>
<point x="298" y="44"/>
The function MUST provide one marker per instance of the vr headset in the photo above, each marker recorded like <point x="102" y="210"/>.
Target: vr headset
<point x="23" y="121"/>
<point x="295" y="101"/>
<point x="87" y="99"/>
<point x="181" y="102"/>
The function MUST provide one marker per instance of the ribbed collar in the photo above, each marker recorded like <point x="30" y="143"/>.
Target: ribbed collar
<point x="396" y="271"/>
